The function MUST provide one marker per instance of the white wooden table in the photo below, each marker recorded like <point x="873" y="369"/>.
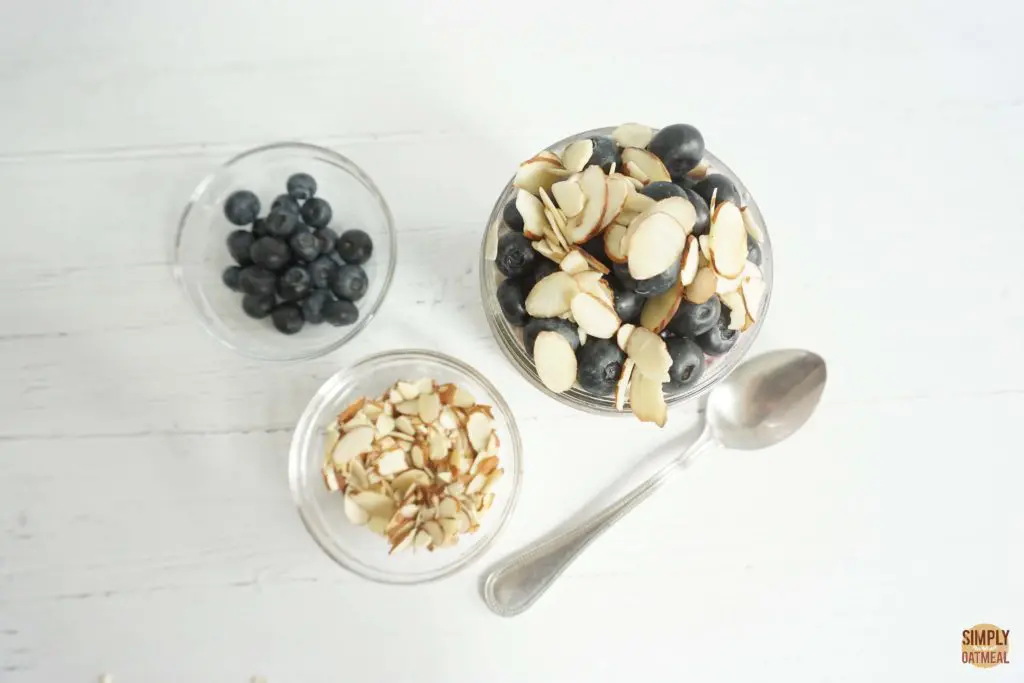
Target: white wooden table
<point x="146" y="528"/>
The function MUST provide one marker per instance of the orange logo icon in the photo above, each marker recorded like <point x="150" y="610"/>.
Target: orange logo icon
<point x="985" y="646"/>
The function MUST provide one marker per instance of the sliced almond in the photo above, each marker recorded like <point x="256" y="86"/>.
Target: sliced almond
<point x="691" y="261"/>
<point x="450" y="527"/>
<point x="622" y="336"/>
<point x="404" y="425"/>
<point x="637" y="184"/>
<point x="536" y="173"/>
<point x="357" y="474"/>
<point x="385" y="425"/>
<point x="554" y="360"/>
<point x="595" y="189"/>
<point x="705" y="247"/>
<point x="374" y="410"/>
<point x="650" y="354"/>
<point x="618" y="189"/>
<point x="478" y="429"/>
<point x="549" y="156"/>
<point x="633" y="135"/>
<point x="622" y="386"/>
<point x="448" y="507"/>
<point x="593" y="262"/>
<point x="659" y="310"/>
<point x="429" y="407"/>
<point x="433" y="527"/>
<point x="569" y="196"/>
<point x="546" y="250"/>
<point x="679" y="208"/>
<point x="648" y="164"/>
<point x="403" y="540"/>
<point x="476" y="484"/>
<point x="577" y="154"/>
<point x="552" y="296"/>
<point x="408" y="390"/>
<point x="351" y="410"/>
<point x="355" y="512"/>
<point x="463" y="520"/>
<point x="407" y="479"/>
<point x="703" y="287"/>
<point x="752" y="291"/>
<point x="725" y="284"/>
<point x="351" y="444"/>
<point x="595" y="316"/>
<point x="464" y="399"/>
<point x="532" y="210"/>
<point x="359" y="420"/>
<point x="392" y="462"/>
<point x="647" y="400"/>
<point x="438" y="445"/>
<point x="493" y="477"/>
<point x="751" y="226"/>
<point x="587" y="280"/>
<point x="613" y="240"/>
<point x="377" y="525"/>
<point x="377" y="504"/>
<point x="634" y="171"/>
<point x="574" y="262"/>
<point x="727" y="240"/>
<point x="737" y="310"/>
<point x="700" y="171"/>
<point x="422" y="539"/>
<point x="655" y="246"/>
<point x="408" y="407"/>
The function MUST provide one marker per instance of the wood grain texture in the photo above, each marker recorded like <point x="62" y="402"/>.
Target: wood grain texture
<point x="146" y="528"/>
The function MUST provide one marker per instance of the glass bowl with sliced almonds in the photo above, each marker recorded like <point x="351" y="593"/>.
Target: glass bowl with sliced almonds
<point x="626" y="269"/>
<point x="406" y="466"/>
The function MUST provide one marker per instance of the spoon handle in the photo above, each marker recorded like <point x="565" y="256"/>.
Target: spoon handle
<point x="520" y="580"/>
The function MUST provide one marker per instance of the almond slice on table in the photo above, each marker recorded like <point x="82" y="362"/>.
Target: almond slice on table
<point x="751" y="226"/>
<point x="536" y="173"/>
<point x="679" y="208"/>
<point x="727" y="240"/>
<point x="543" y="248"/>
<point x="648" y="164"/>
<point x="634" y="171"/>
<point x="569" y="196"/>
<point x="622" y="336"/>
<point x="633" y="135"/>
<point x="691" y="261"/>
<point x="595" y="189"/>
<point x="659" y="310"/>
<point x="574" y="263"/>
<point x="594" y="316"/>
<point x="647" y="400"/>
<point x="703" y="287"/>
<point x="737" y="310"/>
<point x="552" y="296"/>
<point x="555" y="361"/>
<point x="656" y="245"/>
<point x="650" y="354"/>
<point x="613" y="241"/>
<point x="577" y="154"/>
<point x="532" y="211"/>
<point x="622" y="386"/>
<point x="618" y="189"/>
<point x="351" y="444"/>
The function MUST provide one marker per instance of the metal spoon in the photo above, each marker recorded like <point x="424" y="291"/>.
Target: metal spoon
<point x="762" y="402"/>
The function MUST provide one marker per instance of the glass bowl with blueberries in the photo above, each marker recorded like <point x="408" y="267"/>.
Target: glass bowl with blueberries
<point x="286" y="251"/>
<point x="626" y="269"/>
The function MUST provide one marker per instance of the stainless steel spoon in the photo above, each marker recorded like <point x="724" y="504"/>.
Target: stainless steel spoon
<point x="762" y="402"/>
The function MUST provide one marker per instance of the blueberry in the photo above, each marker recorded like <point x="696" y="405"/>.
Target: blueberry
<point x="355" y="246"/>
<point x="258" y="305"/>
<point x="256" y="281"/>
<point x="595" y="247"/>
<point x="654" y="285"/>
<point x="754" y="251"/>
<point x="662" y="189"/>
<point x="294" y="284"/>
<point x="687" y="363"/>
<point x="230" y="277"/>
<point x="304" y="244"/>
<point x="516" y="255"/>
<point x="349" y="282"/>
<point x="719" y="339"/>
<point x="512" y="300"/>
<point x="328" y="240"/>
<point x="543" y="268"/>
<point x="242" y="207"/>
<point x="270" y="253"/>
<point x="239" y="244"/>
<point x="693" y="319"/>
<point x="287" y="318"/>
<point x="606" y="153"/>
<point x="628" y="304"/>
<point x="281" y="223"/>
<point x="320" y="272"/>
<point x="727" y="191"/>
<point x="538" y="325"/>
<point x="259" y="228"/>
<point x="316" y="212"/>
<point x="286" y="203"/>
<point x="312" y="306"/>
<point x="680" y="147"/>
<point x="301" y="186"/>
<point x="513" y="219"/>
<point x="339" y="312"/>
<point x="703" y="222"/>
<point x="599" y="364"/>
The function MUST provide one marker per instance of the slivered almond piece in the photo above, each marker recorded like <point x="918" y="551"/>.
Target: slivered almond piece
<point x="705" y="250"/>
<point x="595" y="189"/>
<point x="691" y="261"/>
<point x="727" y="240"/>
<point x="648" y="164"/>
<point x="355" y="513"/>
<point x="377" y="504"/>
<point x="429" y="407"/>
<point x="436" y="532"/>
<point x="532" y="210"/>
<point x="408" y="390"/>
<point x="464" y="399"/>
<point x="374" y="410"/>
<point x="699" y="171"/>
<point x="330" y="477"/>
<point x="703" y="286"/>
<point x="555" y="361"/>
<point x="593" y="262"/>
<point x="556" y="226"/>
<point x="404" y="425"/>
<point x="751" y="226"/>
<point x="392" y="462"/>
<point x="545" y="249"/>
<point x="577" y="154"/>
<point x="448" y="507"/>
<point x="574" y="262"/>
<point x="408" y="407"/>
<point x="478" y="429"/>
<point x="613" y="240"/>
<point x="656" y="244"/>
<point x="634" y="171"/>
<point x="647" y="400"/>
<point x="357" y="474"/>
<point x="737" y="310"/>
<point x="404" y="481"/>
<point x="725" y="284"/>
<point x="679" y="208"/>
<point x="385" y="425"/>
<point x="659" y="310"/>
<point x="351" y="411"/>
<point x="476" y="484"/>
<point x="752" y="291"/>
<point x="360" y="420"/>
<point x="569" y="196"/>
<point x="650" y="354"/>
<point x="438" y="445"/>
<point x="536" y="173"/>
<point x="622" y="386"/>
<point x="552" y="296"/>
<point x="353" y="443"/>
<point x="594" y="316"/>
<point x="633" y="135"/>
<point x="622" y="336"/>
<point x="618" y="189"/>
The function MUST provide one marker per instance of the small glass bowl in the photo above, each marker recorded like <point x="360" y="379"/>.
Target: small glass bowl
<point x="322" y="511"/>
<point x="201" y="255"/>
<point x="510" y="339"/>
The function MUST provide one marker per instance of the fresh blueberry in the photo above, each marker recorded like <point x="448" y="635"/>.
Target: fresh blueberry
<point x="304" y="244"/>
<point x="538" y="325"/>
<point x="339" y="312"/>
<point x="687" y="363"/>
<point x="301" y="186"/>
<point x="654" y="285"/>
<point x="294" y="283"/>
<point x="606" y="153"/>
<point x="513" y="219"/>
<point x="349" y="282"/>
<point x="662" y="189"/>
<point x="313" y="306"/>
<point x="719" y="339"/>
<point x="666" y="335"/>
<point x="239" y="245"/>
<point x="595" y="247"/>
<point x="256" y="281"/>
<point x="599" y="364"/>
<point x="287" y="203"/>
<point x="516" y="255"/>
<point x="693" y="319"/>
<point x="512" y="300"/>
<point x="703" y="222"/>
<point x="242" y="207"/>
<point x="316" y="212"/>
<point x="231" y="276"/>
<point x="320" y="272"/>
<point x="287" y="318"/>
<point x="628" y="304"/>
<point x="543" y="268"/>
<point x="754" y="251"/>
<point x="259" y="228"/>
<point x="258" y="305"/>
<point x="328" y="240"/>
<point x="355" y="246"/>
<point x="727" y="191"/>
<point x="281" y="223"/>
<point x="680" y="147"/>
<point x="270" y="253"/>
